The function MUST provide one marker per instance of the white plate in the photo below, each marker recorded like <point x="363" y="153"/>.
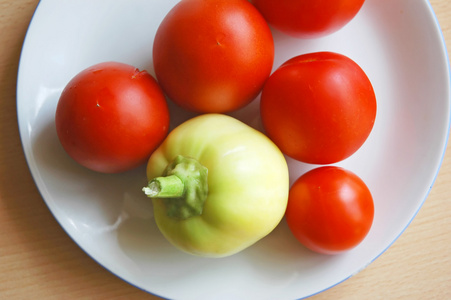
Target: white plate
<point x="397" y="42"/>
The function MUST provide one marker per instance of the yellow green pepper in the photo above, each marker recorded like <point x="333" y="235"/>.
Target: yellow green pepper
<point x="217" y="186"/>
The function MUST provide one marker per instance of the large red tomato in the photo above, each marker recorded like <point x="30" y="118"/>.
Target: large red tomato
<point x="213" y="55"/>
<point x="111" y="117"/>
<point x="308" y="18"/>
<point x="318" y="108"/>
<point x="330" y="210"/>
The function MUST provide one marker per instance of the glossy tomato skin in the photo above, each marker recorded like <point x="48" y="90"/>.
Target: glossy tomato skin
<point x="319" y="108"/>
<point x="330" y="210"/>
<point x="111" y="116"/>
<point x="307" y="18"/>
<point x="213" y="56"/>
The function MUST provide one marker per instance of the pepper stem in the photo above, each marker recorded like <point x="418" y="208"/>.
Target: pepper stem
<point x="165" y="187"/>
<point x="183" y="188"/>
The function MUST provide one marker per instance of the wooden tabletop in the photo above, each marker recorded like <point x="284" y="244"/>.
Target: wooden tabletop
<point x="39" y="261"/>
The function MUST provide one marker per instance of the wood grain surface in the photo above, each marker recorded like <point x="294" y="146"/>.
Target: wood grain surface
<point x="39" y="261"/>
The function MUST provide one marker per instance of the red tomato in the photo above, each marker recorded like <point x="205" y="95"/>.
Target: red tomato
<point x="330" y="210"/>
<point x="308" y="18"/>
<point x="318" y="108"/>
<point x="213" y="55"/>
<point x="110" y="117"/>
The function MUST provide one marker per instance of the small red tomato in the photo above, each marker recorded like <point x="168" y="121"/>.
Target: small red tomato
<point x="330" y="210"/>
<point x="319" y="108"/>
<point x="110" y="117"/>
<point x="213" y="56"/>
<point x="308" y="18"/>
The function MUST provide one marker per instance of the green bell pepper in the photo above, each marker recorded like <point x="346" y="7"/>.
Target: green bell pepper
<point x="217" y="186"/>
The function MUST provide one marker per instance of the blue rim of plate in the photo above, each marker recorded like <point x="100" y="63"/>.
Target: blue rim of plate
<point x="446" y="55"/>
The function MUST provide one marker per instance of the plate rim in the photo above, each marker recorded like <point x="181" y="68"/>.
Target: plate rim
<point x="28" y="157"/>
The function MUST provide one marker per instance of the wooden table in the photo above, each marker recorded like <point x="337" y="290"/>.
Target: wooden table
<point x="39" y="261"/>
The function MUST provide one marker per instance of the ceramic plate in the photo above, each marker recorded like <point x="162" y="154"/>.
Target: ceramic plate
<point x="399" y="45"/>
